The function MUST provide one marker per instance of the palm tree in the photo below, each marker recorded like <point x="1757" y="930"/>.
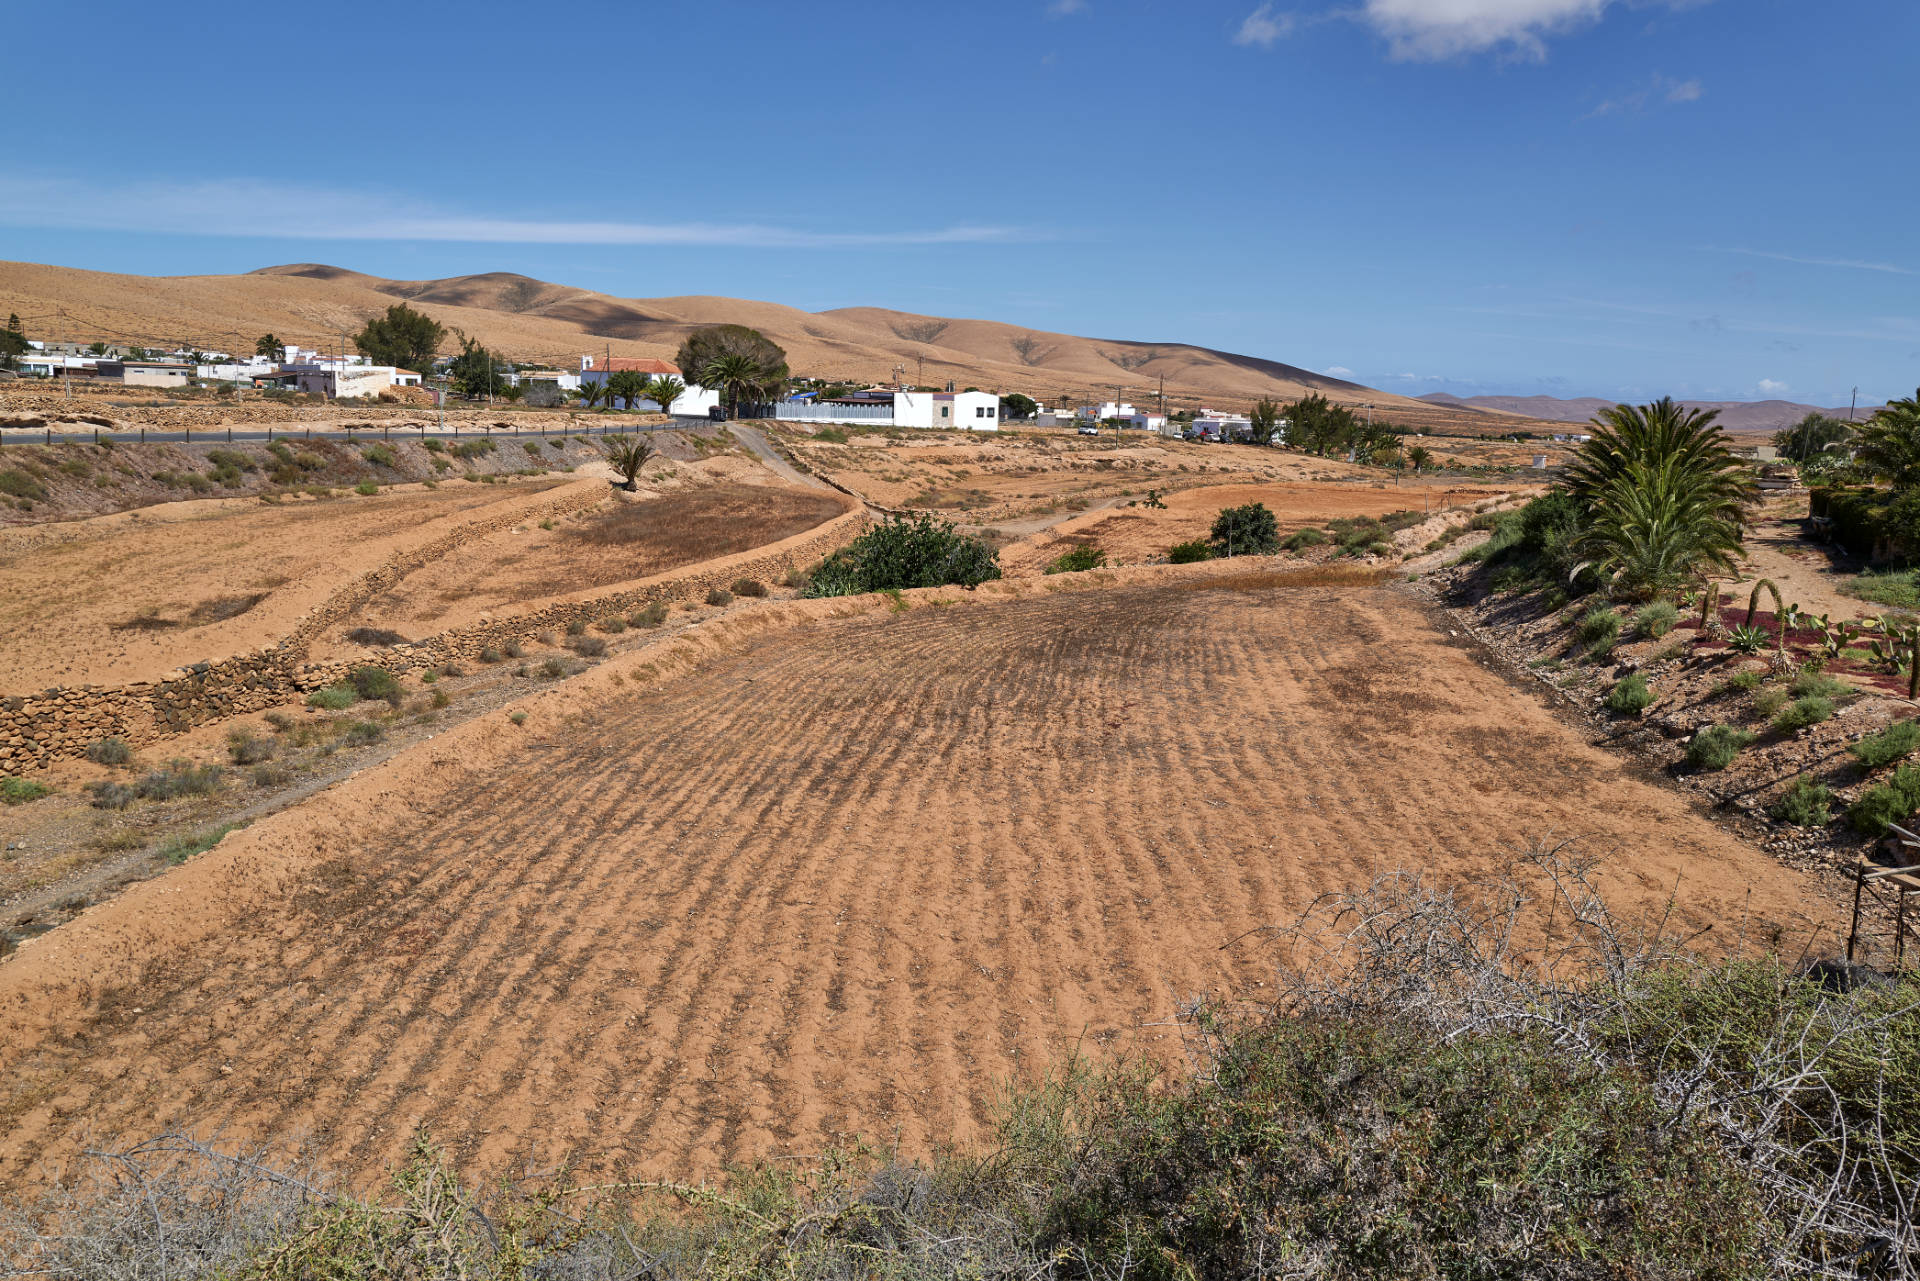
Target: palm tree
<point x="270" y="347"/>
<point x="628" y="455"/>
<point x="627" y="386"/>
<point x="1663" y="495"/>
<point x="1419" y="457"/>
<point x="734" y="374"/>
<point x="590" y="393"/>
<point x="1890" y="442"/>
<point x="664" y="390"/>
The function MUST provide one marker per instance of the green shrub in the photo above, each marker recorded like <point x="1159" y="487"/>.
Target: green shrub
<point x="1077" y="560"/>
<point x="1805" y="803"/>
<point x="376" y="683"/>
<point x="231" y="460"/>
<point x="179" y="778"/>
<point x="363" y="733"/>
<point x="1599" y="629"/>
<point x="1812" y="683"/>
<point x="1655" y="620"/>
<point x="1250" y="530"/>
<point x="532" y="447"/>
<point x="435" y="446"/>
<point x="1896" y="589"/>
<point x="721" y="596"/>
<point x="1893" y="801"/>
<point x="1714" y="747"/>
<point x="470" y="449"/>
<point x="578" y="627"/>
<point x="491" y="655"/>
<point x="1188" y="553"/>
<point x="178" y="849"/>
<point x="333" y="698"/>
<point x="1802" y="712"/>
<point x="111" y="796"/>
<point x="1745" y="682"/>
<point x="1299" y="540"/>
<point x="612" y="626"/>
<point x="905" y="552"/>
<point x="18" y="791"/>
<point x="366" y="489"/>
<point x="18" y="484"/>
<point x="1893" y="743"/>
<point x="553" y="668"/>
<point x="110" y="751"/>
<point x="1770" y="700"/>
<point x="1630" y="695"/>
<point x="832" y="435"/>
<point x="518" y="718"/>
<point x="652" y="616"/>
<point x="380" y="456"/>
<point x="243" y="748"/>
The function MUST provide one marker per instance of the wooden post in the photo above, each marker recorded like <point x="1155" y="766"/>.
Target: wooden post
<point x="1900" y="931"/>
<point x="1913" y="672"/>
<point x="1853" y="930"/>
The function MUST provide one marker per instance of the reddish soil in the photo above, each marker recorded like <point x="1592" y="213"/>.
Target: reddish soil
<point x="753" y="891"/>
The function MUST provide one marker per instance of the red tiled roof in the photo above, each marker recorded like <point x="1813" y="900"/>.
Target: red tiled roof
<point x="647" y="366"/>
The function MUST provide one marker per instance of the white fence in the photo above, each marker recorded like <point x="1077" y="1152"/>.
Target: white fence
<point x="800" y="412"/>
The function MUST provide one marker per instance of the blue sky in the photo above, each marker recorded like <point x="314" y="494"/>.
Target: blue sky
<point x="1624" y="198"/>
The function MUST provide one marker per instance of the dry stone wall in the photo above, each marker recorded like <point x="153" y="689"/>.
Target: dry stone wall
<point x="60" y="724"/>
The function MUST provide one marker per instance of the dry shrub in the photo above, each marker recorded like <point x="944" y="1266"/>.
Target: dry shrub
<point x="749" y="587"/>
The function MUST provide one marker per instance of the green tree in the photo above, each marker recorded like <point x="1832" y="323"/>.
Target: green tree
<point x="1419" y="458"/>
<point x="904" y="552"/>
<point x="664" y="390"/>
<point x="1245" y="531"/>
<point x="1266" y="421"/>
<point x="704" y="346"/>
<point x="1814" y="434"/>
<point x="1319" y="426"/>
<point x="13" y="343"/>
<point x="1662" y="495"/>
<point x="273" y="349"/>
<point x="590" y="393"/>
<point x="404" y="338"/>
<point x="628" y="455"/>
<point x="97" y="348"/>
<point x="1019" y="407"/>
<point x="476" y="372"/>
<point x="1889" y="443"/>
<point x="627" y="386"/>
<point x="734" y="376"/>
<point x="139" y="353"/>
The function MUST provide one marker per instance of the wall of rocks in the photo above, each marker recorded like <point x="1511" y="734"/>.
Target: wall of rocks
<point x="59" y="724"/>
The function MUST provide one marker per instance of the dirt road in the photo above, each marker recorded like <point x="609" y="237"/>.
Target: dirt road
<point x="849" y="879"/>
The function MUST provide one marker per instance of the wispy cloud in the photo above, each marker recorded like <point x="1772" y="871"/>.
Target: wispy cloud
<point x="244" y="207"/>
<point x="1067" y="8"/>
<point x="1850" y="264"/>
<point x="1661" y="90"/>
<point x="1770" y="388"/>
<point x="1263" y="27"/>
<point x="1432" y="30"/>
<point x="1337" y="371"/>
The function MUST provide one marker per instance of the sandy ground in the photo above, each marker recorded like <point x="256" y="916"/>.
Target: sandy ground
<point x="67" y="591"/>
<point x="1134" y="533"/>
<point x="508" y="568"/>
<point x="749" y="892"/>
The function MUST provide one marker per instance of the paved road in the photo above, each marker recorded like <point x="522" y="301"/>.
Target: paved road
<point x="296" y="431"/>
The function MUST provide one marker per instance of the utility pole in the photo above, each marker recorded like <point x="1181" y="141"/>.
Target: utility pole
<point x="1853" y="404"/>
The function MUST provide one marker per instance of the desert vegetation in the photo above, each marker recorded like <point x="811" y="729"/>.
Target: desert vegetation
<point x="903" y="552"/>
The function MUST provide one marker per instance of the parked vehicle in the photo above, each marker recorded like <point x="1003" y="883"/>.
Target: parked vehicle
<point x="716" y="413"/>
<point x="1089" y="429"/>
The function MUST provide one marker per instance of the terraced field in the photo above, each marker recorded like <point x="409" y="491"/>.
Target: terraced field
<point x="846" y="878"/>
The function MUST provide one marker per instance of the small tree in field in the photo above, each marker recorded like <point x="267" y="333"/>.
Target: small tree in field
<point x="589" y="394"/>
<point x="628" y="386"/>
<point x="1266" y="421"/>
<point x="1246" y="531"/>
<point x="1419" y="458"/>
<point x="664" y="390"/>
<point x="628" y="455"/>
<point x="270" y="347"/>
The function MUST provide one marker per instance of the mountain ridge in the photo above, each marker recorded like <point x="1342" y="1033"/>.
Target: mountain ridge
<point x="1735" y="415"/>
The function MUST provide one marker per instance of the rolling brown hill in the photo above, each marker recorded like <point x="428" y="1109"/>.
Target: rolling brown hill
<point x="525" y="319"/>
<point x="1735" y="415"/>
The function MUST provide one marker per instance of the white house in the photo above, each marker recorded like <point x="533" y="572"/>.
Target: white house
<point x="1219" y="426"/>
<point x="147" y="373"/>
<point x="694" y="402"/>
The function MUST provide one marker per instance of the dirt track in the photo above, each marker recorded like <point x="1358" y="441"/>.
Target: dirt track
<point x="847" y="879"/>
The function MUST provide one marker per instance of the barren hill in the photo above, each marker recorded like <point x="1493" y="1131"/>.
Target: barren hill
<point x="1735" y="415"/>
<point x="320" y="306"/>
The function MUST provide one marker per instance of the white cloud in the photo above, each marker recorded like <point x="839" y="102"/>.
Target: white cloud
<point x="1657" y="90"/>
<point x="1337" y="371"/>
<point x="1852" y="264"/>
<point x="244" y="207"/>
<point x="1263" y="27"/>
<point x="1769" y="388"/>
<point x="1067" y="8"/>
<point x="1436" y="29"/>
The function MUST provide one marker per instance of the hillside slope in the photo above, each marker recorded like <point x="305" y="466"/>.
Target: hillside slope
<point x="1735" y="415"/>
<point x="321" y="306"/>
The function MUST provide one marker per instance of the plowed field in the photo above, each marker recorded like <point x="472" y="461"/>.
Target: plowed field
<point x="847" y="879"/>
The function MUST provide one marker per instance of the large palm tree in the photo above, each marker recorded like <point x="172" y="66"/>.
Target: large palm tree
<point x="590" y="393"/>
<point x="1890" y="442"/>
<point x="664" y="390"/>
<point x="734" y="374"/>
<point x="1664" y="496"/>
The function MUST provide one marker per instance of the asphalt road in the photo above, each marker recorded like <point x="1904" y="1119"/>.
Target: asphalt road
<point x="225" y="435"/>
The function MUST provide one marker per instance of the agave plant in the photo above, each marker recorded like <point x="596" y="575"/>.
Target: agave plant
<point x="1747" y="640"/>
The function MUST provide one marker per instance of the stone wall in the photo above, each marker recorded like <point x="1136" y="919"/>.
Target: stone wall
<point x="59" y="724"/>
